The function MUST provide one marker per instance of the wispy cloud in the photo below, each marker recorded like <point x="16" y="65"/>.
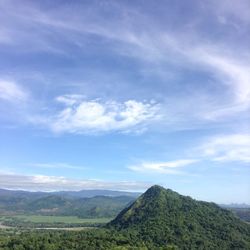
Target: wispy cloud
<point x="96" y="116"/>
<point x="232" y="73"/>
<point x="57" y="183"/>
<point x="155" y="48"/>
<point x="219" y="148"/>
<point x="226" y="148"/>
<point x="12" y="92"/>
<point x="57" y="165"/>
<point x="169" y="167"/>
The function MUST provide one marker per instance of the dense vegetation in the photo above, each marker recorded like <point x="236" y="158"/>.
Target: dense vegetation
<point x="96" y="239"/>
<point x="92" y="239"/>
<point x="159" y="219"/>
<point x="165" y="217"/>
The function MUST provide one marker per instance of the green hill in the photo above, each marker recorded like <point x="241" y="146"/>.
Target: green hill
<point x="160" y="219"/>
<point x="163" y="217"/>
<point x="93" y="207"/>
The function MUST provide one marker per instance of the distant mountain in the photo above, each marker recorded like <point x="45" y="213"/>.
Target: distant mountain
<point x="96" y="192"/>
<point x="235" y="205"/>
<point x="9" y="194"/>
<point x="64" y="203"/>
<point x="94" y="207"/>
<point x="164" y="217"/>
<point x="74" y="194"/>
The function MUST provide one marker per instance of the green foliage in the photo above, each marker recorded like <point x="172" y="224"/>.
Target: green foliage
<point x="164" y="217"/>
<point x="160" y="219"/>
<point x="93" y="239"/>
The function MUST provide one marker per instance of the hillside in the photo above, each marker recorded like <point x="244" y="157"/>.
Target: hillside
<point x="164" y="217"/>
<point x="19" y="202"/>
<point x="158" y="219"/>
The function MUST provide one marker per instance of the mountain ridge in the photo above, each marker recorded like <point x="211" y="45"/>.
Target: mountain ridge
<point x="63" y="205"/>
<point x="84" y="193"/>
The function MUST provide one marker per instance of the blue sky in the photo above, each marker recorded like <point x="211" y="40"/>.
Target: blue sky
<point x="123" y="95"/>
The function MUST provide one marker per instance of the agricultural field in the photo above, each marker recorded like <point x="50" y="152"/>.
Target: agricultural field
<point x="42" y="221"/>
<point x="60" y="219"/>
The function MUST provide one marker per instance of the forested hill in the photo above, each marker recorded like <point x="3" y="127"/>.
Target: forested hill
<point x="55" y="204"/>
<point x="165" y="217"/>
<point x="158" y="219"/>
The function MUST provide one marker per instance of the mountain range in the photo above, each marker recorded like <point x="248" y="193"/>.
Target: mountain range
<point x="159" y="219"/>
<point x="85" y="203"/>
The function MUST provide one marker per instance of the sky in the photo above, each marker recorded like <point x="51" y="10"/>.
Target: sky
<point x="122" y="95"/>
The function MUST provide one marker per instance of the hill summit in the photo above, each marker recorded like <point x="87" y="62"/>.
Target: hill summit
<point x="166" y="218"/>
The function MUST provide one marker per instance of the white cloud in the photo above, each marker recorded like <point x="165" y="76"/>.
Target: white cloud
<point x="58" y="183"/>
<point x="222" y="148"/>
<point x="162" y="167"/>
<point x="95" y="116"/>
<point x="11" y="91"/>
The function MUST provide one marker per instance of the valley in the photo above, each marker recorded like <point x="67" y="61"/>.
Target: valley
<point x="158" y="219"/>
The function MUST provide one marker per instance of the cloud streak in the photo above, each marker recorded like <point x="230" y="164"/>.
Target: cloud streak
<point x="219" y="148"/>
<point x="12" y="92"/>
<point x="169" y="167"/>
<point x="226" y="148"/>
<point x="58" y="183"/>
<point x="58" y="165"/>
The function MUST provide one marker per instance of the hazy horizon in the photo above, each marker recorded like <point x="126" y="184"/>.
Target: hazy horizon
<point x="111" y="190"/>
<point x="122" y="95"/>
